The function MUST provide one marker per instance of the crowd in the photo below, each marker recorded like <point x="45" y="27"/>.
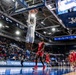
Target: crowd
<point x="12" y="50"/>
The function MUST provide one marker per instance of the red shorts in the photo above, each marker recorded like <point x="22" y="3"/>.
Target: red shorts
<point x="75" y="56"/>
<point x="47" y="60"/>
<point x="72" y="59"/>
<point x="40" y="53"/>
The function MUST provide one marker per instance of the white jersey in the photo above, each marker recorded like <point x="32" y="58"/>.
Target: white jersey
<point x="31" y="27"/>
<point x="31" y="30"/>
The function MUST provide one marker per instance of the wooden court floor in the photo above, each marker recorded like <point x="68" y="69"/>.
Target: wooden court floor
<point x="71" y="73"/>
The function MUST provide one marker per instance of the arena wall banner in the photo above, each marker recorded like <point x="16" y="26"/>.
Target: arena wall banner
<point x="18" y="63"/>
<point x="65" y="37"/>
<point x="65" y="6"/>
<point x="3" y="63"/>
<point x="66" y="10"/>
<point x="69" y="19"/>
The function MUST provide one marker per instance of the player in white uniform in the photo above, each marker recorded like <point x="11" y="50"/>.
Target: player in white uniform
<point x="31" y="29"/>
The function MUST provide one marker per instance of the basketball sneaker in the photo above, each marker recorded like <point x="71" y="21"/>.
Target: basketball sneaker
<point x="35" y="68"/>
<point x="44" y="67"/>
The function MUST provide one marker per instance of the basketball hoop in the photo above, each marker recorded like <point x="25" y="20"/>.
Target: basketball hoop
<point x="34" y="11"/>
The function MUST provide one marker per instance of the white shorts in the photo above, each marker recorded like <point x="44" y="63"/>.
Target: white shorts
<point x="29" y="39"/>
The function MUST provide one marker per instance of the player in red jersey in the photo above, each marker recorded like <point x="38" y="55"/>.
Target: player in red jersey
<point x="47" y="59"/>
<point x="72" y="59"/>
<point x="75" y="59"/>
<point x="73" y="54"/>
<point x="40" y="53"/>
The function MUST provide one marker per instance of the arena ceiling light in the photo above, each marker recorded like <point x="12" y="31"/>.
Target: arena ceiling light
<point x="1" y="25"/>
<point x="49" y="33"/>
<point x="13" y="0"/>
<point x="44" y="32"/>
<point x="17" y="32"/>
<point x="53" y="29"/>
<point x="42" y="23"/>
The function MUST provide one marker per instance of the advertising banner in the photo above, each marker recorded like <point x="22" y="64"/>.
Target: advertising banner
<point x="18" y="63"/>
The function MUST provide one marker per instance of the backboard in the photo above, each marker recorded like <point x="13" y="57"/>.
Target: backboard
<point x="24" y="5"/>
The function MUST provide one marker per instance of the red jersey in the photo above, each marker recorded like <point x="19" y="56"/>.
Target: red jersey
<point x="40" y="46"/>
<point x="47" y="56"/>
<point x="73" y="55"/>
<point x="71" y="58"/>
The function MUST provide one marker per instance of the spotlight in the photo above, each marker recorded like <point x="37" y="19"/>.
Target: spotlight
<point x="13" y="0"/>
<point x="49" y="33"/>
<point x="44" y="32"/>
<point x="42" y="22"/>
<point x="0" y="25"/>
<point x="53" y="29"/>
<point x="17" y="32"/>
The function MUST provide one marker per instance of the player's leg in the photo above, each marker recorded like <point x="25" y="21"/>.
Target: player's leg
<point x="30" y="45"/>
<point x="75" y="65"/>
<point x="28" y="49"/>
<point x="35" y="68"/>
<point x="41" y="59"/>
<point x="37" y="59"/>
<point x="27" y="40"/>
<point x="27" y="46"/>
<point x="49" y="65"/>
<point x="31" y="42"/>
<point x="28" y="55"/>
<point x="73" y="60"/>
<point x="72" y="65"/>
<point x="41" y="54"/>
